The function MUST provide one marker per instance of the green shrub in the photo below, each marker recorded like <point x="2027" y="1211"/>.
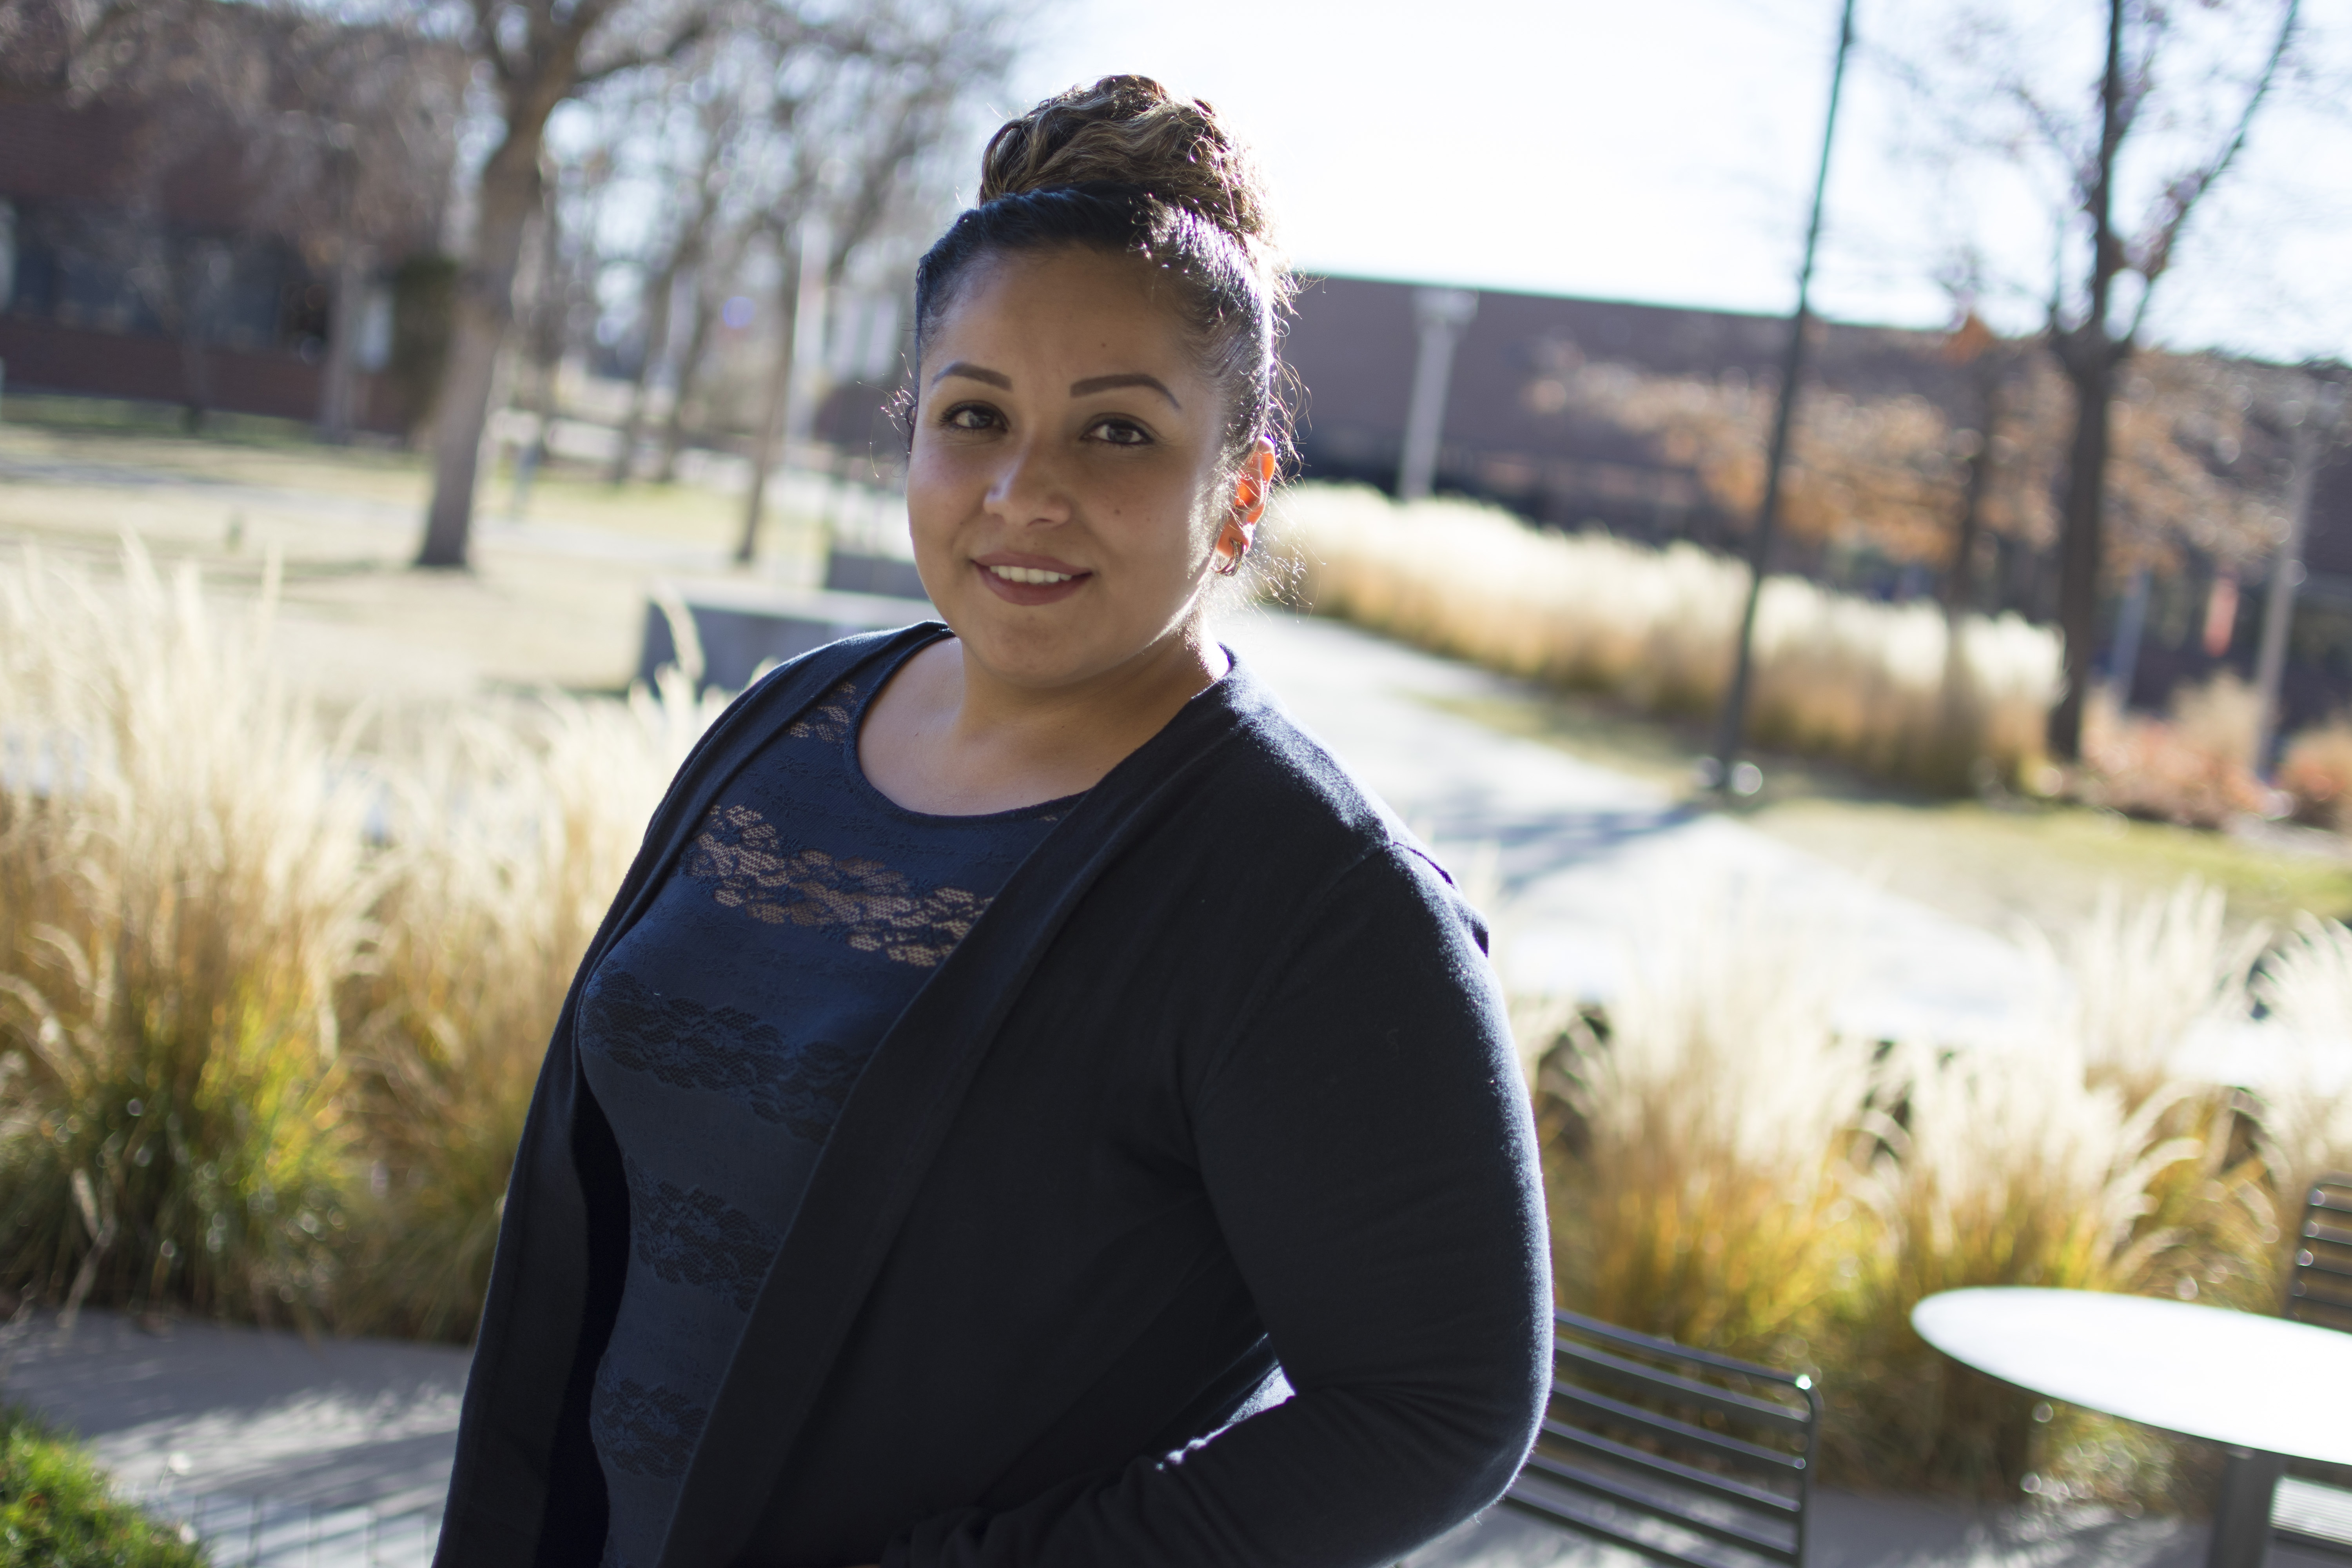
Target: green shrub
<point x="57" y="1512"/>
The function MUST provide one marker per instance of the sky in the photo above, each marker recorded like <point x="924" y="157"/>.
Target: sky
<point x="1665" y="154"/>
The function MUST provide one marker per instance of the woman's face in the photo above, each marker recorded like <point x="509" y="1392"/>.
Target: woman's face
<point x="1064" y="483"/>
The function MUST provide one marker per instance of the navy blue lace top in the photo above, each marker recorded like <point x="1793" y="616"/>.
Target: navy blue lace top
<point x="721" y="1035"/>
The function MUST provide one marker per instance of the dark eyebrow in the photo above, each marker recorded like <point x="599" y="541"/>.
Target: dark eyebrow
<point x="1111" y="383"/>
<point x="974" y="373"/>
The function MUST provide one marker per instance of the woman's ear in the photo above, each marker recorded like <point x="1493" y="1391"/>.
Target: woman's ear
<point x="1253" y="482"/>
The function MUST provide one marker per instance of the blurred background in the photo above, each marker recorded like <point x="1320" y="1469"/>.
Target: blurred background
<point x="1861" y="597"/>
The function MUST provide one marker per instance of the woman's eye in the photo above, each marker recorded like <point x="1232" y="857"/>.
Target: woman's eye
<point x="1120" y="433"/>
<point x="968" y="417"/>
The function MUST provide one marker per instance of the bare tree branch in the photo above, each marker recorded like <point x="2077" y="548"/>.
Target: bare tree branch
<point x="2181" y="195"/>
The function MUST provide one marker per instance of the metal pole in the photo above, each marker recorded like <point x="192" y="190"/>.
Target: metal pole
<point x="1731" y="731"/>
<point x="2316" y="414"/>
<point x="1441" y="313"/>
<point x="2131" y="624"/>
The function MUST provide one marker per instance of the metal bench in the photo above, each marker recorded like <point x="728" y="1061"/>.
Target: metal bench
<point x="742" y="624"/>
<point x="861" y="571"/>
<point x="1683" y="1455"/>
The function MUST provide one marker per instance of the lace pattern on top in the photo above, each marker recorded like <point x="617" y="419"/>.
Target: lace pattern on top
<point x="877" y="909"/>
<point x="646" y="1431"/>
<point x="829" y="719"/>
<point x="687" y="1236"/>
<point x="719" y="1050"/>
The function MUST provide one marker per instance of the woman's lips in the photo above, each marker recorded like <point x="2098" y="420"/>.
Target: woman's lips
<point x="1028" y="582"/>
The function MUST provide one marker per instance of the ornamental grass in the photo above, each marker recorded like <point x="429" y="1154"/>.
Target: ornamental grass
<point x="1870" y="684"/>
<point x="272" y="999"/>
<point x="1727" y="1168"/>
<point x="184" y="884"/>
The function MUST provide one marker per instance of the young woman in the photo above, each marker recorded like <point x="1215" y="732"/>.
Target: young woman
<point x="1028" y="1106"/>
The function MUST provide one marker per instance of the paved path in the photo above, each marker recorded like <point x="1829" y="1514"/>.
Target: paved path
<point x="281" y="1451"/>
<point x="1587" y="858"/>
<point x="334" y="1454"/>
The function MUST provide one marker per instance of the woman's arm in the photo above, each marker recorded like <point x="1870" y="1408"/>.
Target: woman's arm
<point x="1365" y="1142"/>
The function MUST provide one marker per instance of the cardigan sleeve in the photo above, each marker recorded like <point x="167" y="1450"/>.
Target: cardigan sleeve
<point x="1365" y="1142"/>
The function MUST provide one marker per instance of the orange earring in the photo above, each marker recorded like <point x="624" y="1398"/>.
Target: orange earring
<point x="1241" y="548"/>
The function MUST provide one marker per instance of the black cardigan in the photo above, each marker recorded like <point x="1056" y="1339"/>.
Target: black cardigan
<point x="1220" y="1080"/>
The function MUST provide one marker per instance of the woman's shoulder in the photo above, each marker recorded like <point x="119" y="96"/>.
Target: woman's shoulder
<point x="1300" y="799"/>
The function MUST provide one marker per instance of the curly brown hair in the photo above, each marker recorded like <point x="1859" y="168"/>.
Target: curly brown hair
<point x="1128" y="131"/>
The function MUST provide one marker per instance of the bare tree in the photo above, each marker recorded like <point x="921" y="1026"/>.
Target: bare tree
<point x="694" y="166"/>
<point x="2173" y="105"/>
<point x="539" y="54"/>
<point x="355" y="161"/>
<point x="556" y="294"/>
<point x="717" y="262"/>
<point x="68" y="50"/>
<point x="1921" y="481"/>
<point x="846" y="185"/>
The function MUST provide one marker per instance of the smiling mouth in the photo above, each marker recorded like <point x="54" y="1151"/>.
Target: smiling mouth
<point x="1032" y="575"/>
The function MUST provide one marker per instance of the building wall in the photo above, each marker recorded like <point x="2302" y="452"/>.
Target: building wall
<point x="1351" y="352"/>
<point x="43" y="357"/>
<point x="73" y="322"/>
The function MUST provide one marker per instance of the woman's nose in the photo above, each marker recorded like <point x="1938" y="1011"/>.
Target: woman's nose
<point x="1032" y="486"/>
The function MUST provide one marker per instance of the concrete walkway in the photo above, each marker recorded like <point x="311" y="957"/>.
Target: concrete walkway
<point x="1588" y="858"/>
<point x="1849" y="1532"/>
<point x="334" y="1454"/>
<point x="278" y="1450"/>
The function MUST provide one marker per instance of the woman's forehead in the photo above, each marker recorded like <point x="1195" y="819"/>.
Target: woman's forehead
<point x="1086" y="311"/>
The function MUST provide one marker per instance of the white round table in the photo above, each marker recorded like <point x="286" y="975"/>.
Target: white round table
<point x="2263" y="1385"/>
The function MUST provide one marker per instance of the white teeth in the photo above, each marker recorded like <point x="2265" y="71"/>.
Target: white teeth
<point x="1031" y="574"/>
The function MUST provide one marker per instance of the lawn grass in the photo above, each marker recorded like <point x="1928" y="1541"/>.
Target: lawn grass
<point x="1989" y="863"/>
<point x="56" y="1511"/>
<point x="557" y="599"/>
<point x="280" y="455"/>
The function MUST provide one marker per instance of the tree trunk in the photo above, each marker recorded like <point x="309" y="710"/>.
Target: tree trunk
<point x="657" y="312"/>
<point x="1956" y="745"/>
<point x="777" y="406"/>
<point x="2286" y="572"/>
<point x="1959" y="578"/>
<point x="484" y="310"/>
<point x="686" y="374"/>
<point x="2090" y="356"/>
<point x="195" y="381"/>
<point x="2091" y="366"/>
<point x="193" y="281"/>
<point x="338" y="384"/>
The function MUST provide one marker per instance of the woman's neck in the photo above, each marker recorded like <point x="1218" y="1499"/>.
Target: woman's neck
<point x="951" y="737"/>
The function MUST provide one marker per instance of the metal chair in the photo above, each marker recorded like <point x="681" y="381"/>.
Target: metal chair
<point x="2305" y="1512"/>
<point x="1683" y="1455"/>
<point x="2320" y="1291"/>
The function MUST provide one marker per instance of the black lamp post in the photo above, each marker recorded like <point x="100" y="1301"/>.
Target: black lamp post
<point x="1722" y="770"/>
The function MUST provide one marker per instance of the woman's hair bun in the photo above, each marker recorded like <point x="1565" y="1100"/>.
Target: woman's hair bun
<point x="1124" y="168"/>
<point x="1128" y="131"/>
